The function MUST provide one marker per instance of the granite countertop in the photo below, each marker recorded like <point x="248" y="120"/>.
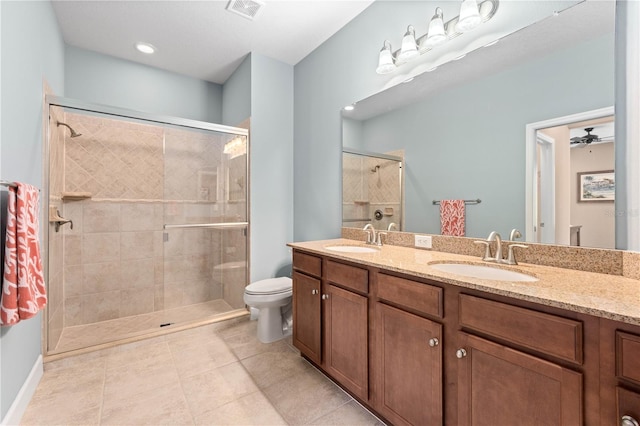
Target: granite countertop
<point x="607" y="296"/>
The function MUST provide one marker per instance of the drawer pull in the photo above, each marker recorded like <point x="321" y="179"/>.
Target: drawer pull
<point x="314" y="291"/>
<point x="461" y="353"/>
<point x="325" y="296"/>
<point x="433" y="342"/>
<point x="628" y="421"/>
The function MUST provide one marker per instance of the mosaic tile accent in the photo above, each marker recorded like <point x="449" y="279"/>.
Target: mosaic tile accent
<point x="113" y="158"/>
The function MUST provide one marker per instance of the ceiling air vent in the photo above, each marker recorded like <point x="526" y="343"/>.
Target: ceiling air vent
<point x="249" y="9"/>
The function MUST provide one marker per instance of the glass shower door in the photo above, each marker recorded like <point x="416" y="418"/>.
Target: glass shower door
<point x="205" y="224"/>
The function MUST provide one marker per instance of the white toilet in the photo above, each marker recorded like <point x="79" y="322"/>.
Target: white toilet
<point x="271" y="298"/>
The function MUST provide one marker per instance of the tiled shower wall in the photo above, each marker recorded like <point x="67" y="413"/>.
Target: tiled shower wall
<point x="118" y="259"/>
<point x="370" y="184"/>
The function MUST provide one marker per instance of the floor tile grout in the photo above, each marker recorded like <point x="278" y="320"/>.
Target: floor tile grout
<point x="138" y="359"/>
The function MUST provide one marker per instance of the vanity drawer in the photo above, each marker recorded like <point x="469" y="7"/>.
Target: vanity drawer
<point x="348" y="276"/>
<point x="307" y="263"/>
<point x="628" y="356"/>
<point x="546" y="333"/>
<point x="410" y="294"/>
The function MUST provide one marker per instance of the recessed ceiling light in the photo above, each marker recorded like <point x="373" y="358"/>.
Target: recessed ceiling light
<point x="145" y="48"/>
<point x="349" y="108"/>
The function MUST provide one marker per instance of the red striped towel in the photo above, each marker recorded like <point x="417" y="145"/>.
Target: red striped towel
<point x="452" y="217"/>
<point x="23" y="288"/>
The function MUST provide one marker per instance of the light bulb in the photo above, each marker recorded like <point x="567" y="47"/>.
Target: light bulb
<point x="409" y="49"/>
<point x="469" y="16"/>
<point x="385" y="59"/>
<point x="436" y="34"/>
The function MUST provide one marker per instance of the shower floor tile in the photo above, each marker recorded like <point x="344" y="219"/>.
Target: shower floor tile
<point x="84" y="336"/>
<point x="203" y="375"/>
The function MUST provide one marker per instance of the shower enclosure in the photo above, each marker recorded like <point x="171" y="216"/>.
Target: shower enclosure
<point x="148" y="224"/>
<point x="372" y="189"/>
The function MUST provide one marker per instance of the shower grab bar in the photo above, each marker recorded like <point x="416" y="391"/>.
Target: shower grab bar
<point x="209" y="225"/>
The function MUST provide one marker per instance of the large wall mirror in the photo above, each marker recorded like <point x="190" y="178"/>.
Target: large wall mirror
<point x="462" y="126"/>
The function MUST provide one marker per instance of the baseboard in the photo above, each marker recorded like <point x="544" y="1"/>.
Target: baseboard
<point x="19" y="406"/>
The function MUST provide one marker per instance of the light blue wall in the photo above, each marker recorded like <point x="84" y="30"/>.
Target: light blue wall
<point x="236" y="95"/>
<point x="271" y="167"/>
<point x="468" y="142"/>
<point x="32" y="50"/>
<point x="340" y="71"/>
<point x="106" y="80"/>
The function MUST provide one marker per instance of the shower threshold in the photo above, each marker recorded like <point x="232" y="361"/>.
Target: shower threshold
<point x="89" y="337"/>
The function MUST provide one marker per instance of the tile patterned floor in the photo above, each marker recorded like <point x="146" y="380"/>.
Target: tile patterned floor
<point x="218" y="374"/>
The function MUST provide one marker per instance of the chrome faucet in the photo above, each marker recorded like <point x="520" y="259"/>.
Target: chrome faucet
<point x="495" y="236"/>
<point x="392" y="225"/>
<point x="371" y="233"/>
<point x="511" y="257"/>
<point x="514" y="234"/>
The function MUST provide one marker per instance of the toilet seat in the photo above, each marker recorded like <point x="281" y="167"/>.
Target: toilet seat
<point x="269" y="286"/>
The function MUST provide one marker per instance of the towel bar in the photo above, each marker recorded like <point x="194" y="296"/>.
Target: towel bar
<point x="7" y="183"/>
<point x="476" y="201"/>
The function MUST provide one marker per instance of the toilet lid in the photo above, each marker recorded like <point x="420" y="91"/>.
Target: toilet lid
<point x="269" y="286"/>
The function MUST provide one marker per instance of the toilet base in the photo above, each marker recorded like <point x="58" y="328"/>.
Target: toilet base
<point x="272" y="326"/>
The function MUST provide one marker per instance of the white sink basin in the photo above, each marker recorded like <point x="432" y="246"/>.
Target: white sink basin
<point x="352" y="249"/>
<point x="486" y="272"/>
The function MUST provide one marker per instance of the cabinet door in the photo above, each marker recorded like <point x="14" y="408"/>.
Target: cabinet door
<point x="409" y="367"/>
<point x="499" y="385"/>
<point x="306" y="316"/>
<point x="628" y="407"/>
<point x="346" y="339"/>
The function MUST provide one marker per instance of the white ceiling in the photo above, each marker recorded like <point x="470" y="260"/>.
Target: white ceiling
<point x="201" y="38"/>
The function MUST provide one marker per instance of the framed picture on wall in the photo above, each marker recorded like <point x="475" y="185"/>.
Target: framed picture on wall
<point x="596" y="186"/>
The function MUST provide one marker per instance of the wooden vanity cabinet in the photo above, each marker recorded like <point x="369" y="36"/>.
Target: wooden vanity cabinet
<point x="500" y="385"/>
<point x="331" y="319"/>
<point x="510" y="365"/>
<point x="307" y="313"/>
<point x="408" y="351"/>
<point x="620" y="373"/>
<point x="345" y="334"/>
<point x="422" y="352"/>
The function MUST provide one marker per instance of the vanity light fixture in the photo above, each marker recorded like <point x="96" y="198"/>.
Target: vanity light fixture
<point x="146" y="48"/>
<point x="472" y="14"/>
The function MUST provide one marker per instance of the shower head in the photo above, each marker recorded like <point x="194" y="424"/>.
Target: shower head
<point x="73" y="132"/>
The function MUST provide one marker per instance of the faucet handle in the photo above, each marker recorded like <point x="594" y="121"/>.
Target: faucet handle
<point x="511" y="257"/>
<point x="379" y="240"/>
<point x="487" y="251"/>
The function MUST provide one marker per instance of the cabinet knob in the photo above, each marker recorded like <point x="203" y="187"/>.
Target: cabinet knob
<point x="314" y="291"/>
<point x="434" y="342"/>
<point x="461" y="353"/>
<point x="628" y="421"/>
<point x="325" y="296"/>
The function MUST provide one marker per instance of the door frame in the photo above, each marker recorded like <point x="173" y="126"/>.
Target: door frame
<point x="531" y="178"/>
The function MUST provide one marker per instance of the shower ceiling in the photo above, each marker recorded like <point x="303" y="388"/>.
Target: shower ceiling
<point x="200" y="38"/>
